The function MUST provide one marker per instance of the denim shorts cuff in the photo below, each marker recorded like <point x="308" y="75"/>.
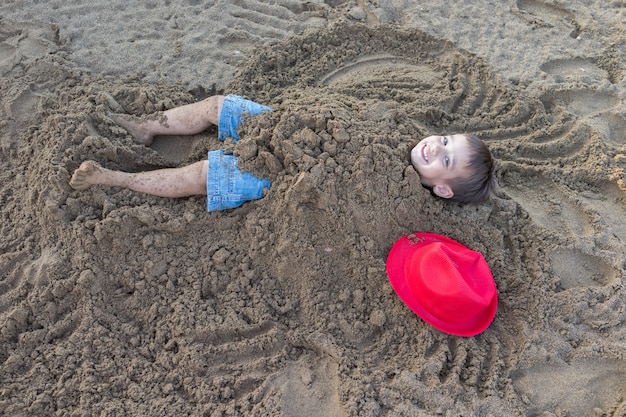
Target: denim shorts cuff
<point x="235" y="111"/>
<point x="227" y="186"/>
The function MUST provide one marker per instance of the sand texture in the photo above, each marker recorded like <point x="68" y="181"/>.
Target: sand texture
<point x="114" y="303"/>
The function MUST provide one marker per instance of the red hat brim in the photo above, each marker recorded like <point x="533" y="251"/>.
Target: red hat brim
<point x="400" y="252"/>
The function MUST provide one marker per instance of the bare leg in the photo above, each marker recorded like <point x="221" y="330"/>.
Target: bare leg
<point x="169" y="182"/>
<point x="184" y="120"/>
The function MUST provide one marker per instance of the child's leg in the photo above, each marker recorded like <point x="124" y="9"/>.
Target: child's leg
<point x="169" y="182"/>
<point x="189" y="119"/>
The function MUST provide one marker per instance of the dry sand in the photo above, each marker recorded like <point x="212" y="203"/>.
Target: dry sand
<point x="114" y="303"/>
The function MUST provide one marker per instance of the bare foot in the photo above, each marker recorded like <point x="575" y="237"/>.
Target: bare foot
<point x="86" y="175"/>
<point x="134" y="127"/>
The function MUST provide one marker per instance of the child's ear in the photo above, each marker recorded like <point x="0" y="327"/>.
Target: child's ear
<point x="443" y="191"/>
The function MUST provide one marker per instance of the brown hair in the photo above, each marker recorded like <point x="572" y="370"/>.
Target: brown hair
<point x="476" y="187"/>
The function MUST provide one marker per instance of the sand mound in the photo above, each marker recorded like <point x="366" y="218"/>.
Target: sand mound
<point x="124" y="304"/>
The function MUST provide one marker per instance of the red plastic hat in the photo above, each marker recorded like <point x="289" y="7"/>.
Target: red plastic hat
<point x="448" y="285"/>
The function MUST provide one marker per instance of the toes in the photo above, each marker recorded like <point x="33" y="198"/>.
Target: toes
<point x="80" y="178"/>
<point x="78" y="182"/>
<point x="133" y="128"/>
<point x="89" y="167"/>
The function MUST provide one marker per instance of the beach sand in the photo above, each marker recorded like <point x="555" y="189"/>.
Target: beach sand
<point x="114" y="303"/>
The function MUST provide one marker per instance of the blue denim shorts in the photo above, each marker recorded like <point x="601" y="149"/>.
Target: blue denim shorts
<point x="227" y="187"/>
<point x="235" y="111"/>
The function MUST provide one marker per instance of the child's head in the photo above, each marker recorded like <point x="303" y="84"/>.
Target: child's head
<point x="456" y="167"/>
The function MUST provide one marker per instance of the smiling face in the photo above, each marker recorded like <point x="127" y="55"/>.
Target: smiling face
<point x="439" y="159"/>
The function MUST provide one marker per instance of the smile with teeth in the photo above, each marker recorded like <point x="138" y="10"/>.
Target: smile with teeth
<point x="424" y="154"/>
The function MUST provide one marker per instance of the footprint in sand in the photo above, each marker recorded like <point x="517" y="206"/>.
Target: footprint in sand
<point x="8" y="57"/>
<point x="219" y="354"/>
<point x="612" y="129"/>
<point x="610" y="203"/>
<point x="19" y="270"/>
<point x="12" y="277"/>
<point x="547" y="204"/>
<point x="542" y="14"/>
<point x="584" y="387"/>
<point x="21" y="42"/>
<point x="576" y="269"/>
<point x="236" y="43"/>
<point x="581" y="103"/>
<point x="575" y="68"/>
<point x="310" y="387"/>
<point x="600" y="109"/>
<point x="551" y="207"/>
<point x="616" y="135"/>
<point x="259" y="20"/>
<point x="23" y="49"/>
<point x="23" y="107"/>
<point x="21" y="278"/>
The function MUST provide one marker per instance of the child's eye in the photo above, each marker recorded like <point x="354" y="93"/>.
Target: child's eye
<point x="445" y="141"/>
<point x="446" y="161"/>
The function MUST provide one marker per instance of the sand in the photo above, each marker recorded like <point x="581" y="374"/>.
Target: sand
<point x="114" y="303"/>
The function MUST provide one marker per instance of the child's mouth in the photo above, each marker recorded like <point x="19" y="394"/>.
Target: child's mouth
<point x="424" y="154"/>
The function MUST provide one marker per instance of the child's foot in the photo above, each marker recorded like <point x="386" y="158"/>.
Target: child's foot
<point x="134" y="128"/>
<point x="87" y="174"/>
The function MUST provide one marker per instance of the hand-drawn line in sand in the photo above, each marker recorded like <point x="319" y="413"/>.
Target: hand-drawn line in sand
<point x="374" y="64"/>
<point x="547" y="131"/>
<point x="548" y="15"/>
<point x="457" y="362"/>
<point x="270" y="21"/>
<point x="599" y="112"/>
<point x="268" y="18"/>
